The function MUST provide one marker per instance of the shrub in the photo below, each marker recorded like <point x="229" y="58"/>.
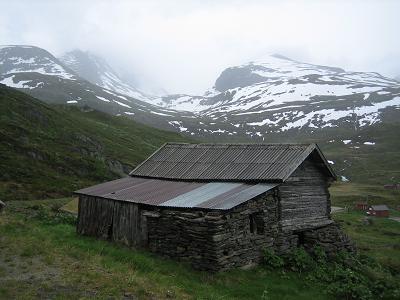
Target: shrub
<point x="320" y="254"/>
<point x="271" y="260"/>
<point x="347" y="276"/>
<point x="53" y="217"/>
<point x="299" y="260"/>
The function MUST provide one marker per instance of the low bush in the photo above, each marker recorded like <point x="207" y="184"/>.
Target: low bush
<point x="299" y="260"/>
<point x="271" y="260"/>
<point x="347" y="276"/>
<point x="53" y="216"/>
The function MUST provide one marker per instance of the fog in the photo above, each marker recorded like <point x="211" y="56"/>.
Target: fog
<point x="182" y="46"/>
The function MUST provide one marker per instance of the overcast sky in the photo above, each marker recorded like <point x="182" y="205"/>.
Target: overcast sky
<point x="182" y="46"/>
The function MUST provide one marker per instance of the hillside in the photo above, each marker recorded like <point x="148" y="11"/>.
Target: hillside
<point x="48" y="151"/>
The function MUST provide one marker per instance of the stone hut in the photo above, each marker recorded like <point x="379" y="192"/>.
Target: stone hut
<point x="218" y="206"/>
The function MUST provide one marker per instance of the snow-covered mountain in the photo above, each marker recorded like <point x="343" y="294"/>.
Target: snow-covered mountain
<point x="96" y="70"/>
<point x="271" y="95"/>
<point x="272" y="99"/>
<point x="38" y="73"/>
<point x="275" y="94"/>
<point x="21" y="59"/>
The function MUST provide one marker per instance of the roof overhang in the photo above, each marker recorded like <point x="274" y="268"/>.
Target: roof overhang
<point x="178" y="194"/>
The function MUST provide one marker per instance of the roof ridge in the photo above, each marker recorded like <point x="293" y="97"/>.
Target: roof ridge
<point x="277" y="161"/>
<point x="244" y="144"/>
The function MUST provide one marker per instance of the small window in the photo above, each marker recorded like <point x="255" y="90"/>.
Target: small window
<point x="256" y="223"/>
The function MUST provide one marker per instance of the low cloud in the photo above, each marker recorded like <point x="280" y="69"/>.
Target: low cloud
<point x="182" y="46"/>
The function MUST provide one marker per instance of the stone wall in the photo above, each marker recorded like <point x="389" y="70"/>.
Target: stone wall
<point x="248" y="230"/>
<point x="331" y="238"/>
<point x="215" y="240"/>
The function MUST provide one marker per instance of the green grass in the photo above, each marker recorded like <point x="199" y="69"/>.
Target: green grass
<point x="348" y="193"/>
<point x="49" y="151"/>
<point x="31" y="248"/>
<point x="71" y="206"/>
<point x="86" y="267"/>
<point x="380" y="240"/>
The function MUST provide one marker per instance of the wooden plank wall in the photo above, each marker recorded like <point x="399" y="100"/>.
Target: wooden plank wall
<point x="130" y="226"/>
<point x="94" y="216"/>
<point x="115" y="220"/>
<point x="304" y="198"/>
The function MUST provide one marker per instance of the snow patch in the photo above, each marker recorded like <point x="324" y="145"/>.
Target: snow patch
<point x="103" y="99"/>
<point x="122" y="104"/>
<point x="160" y="114"/>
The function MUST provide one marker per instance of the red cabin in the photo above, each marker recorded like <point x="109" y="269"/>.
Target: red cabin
<point x="361" y="206"/>
<point x="378" y="211"/>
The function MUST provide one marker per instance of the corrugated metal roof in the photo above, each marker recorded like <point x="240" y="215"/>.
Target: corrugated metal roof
<point x="214" y="195"/>
<point x="228" y="162"/>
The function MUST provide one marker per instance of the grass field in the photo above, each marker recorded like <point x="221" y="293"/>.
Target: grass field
<point x="347" y="193"/>
<point x="381" y="239"/>
<point x="45" y="258"/>
<point x="49" y="260"/>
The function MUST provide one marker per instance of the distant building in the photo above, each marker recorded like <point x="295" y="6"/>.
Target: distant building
<point x="218" y="206"/>
<point x="378" y="211"/>
<point x="392" y="186"/>
<point x="361" y="206"/>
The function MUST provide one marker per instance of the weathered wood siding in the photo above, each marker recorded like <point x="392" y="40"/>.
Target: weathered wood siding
<point x="129" y="224"/>
<point x="304" y="198"/>
<point x="95" y="216"/>
<point x="115" y="220"/>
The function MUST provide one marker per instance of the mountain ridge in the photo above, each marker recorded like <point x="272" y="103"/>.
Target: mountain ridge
<point x="294" y="102"/>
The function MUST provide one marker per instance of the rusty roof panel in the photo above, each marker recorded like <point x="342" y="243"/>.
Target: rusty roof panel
<point x="110" y="186"/>
<point x="156" y="192"/>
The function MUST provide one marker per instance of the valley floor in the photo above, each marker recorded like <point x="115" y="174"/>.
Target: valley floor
<point x="42" y="257"/>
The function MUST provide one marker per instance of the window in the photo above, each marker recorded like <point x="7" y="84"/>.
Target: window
<point x="256" y="223"/>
